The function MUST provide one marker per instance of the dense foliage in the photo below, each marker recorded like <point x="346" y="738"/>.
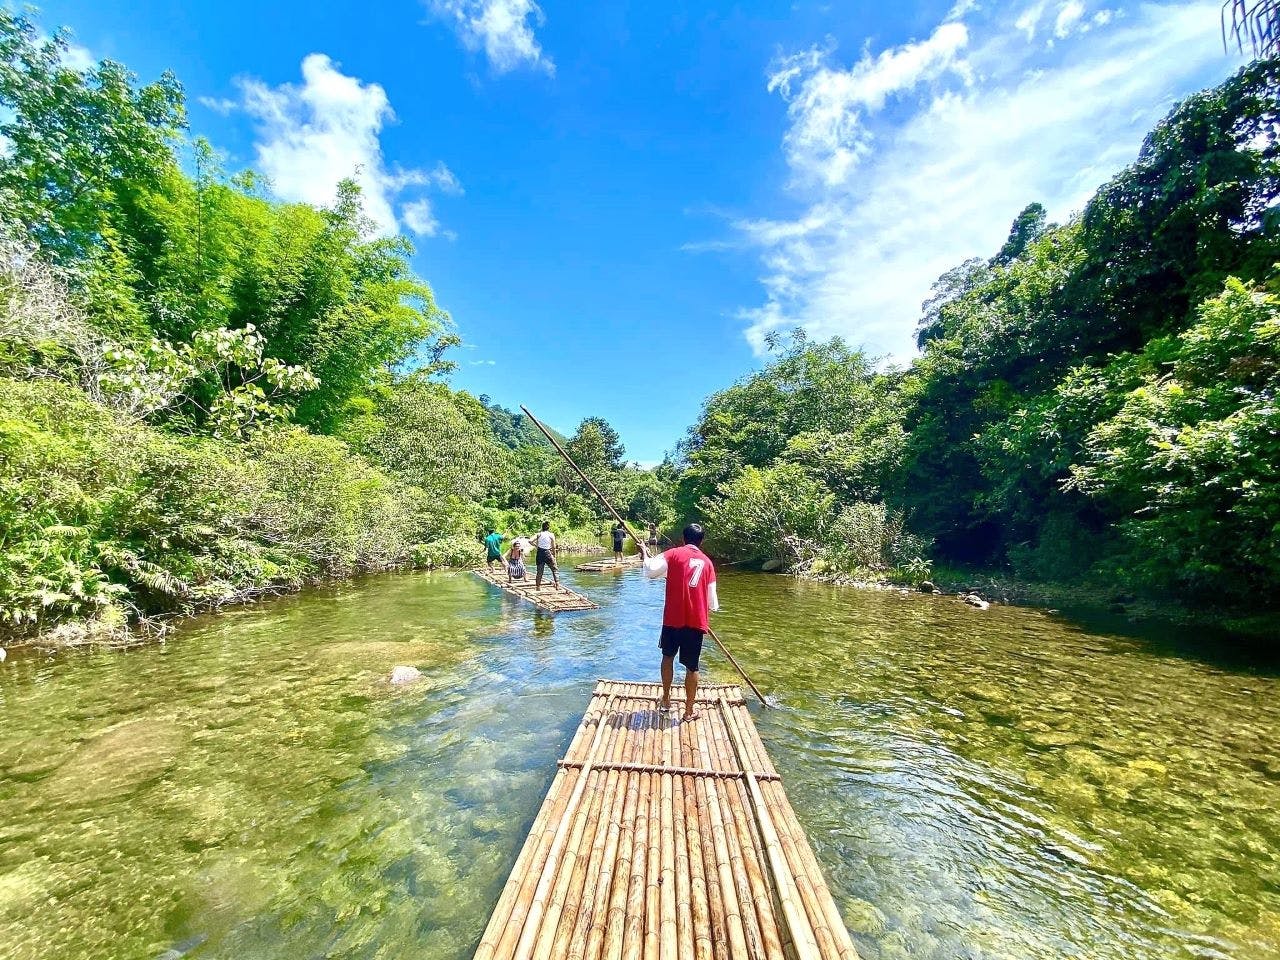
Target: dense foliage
<point x="1097" y="400"/>
<point x="206" y="394"/>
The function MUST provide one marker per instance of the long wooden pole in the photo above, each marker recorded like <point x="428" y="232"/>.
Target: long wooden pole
<point x="626" y="526"/>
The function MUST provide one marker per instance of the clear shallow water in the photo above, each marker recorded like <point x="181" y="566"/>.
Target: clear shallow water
<point x="977" y="784"/>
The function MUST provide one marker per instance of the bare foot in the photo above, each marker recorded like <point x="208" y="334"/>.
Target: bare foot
<point x="690" y="717"/>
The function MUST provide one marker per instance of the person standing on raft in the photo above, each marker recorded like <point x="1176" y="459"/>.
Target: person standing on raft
<point x="619" y="535"/>
<point x="545" y="541"/>
<point x="691" y="595"/>
<point x="493" y="548"/>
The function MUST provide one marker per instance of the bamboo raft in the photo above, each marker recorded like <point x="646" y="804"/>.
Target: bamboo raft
<point x="550" y="597"/>
<point x="605" y="566"/>
<point x="661" y="840"/>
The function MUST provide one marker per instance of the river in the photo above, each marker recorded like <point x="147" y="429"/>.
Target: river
<point x="1007" y="783"/>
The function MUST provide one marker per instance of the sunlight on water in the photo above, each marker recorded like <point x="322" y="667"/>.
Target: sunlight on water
<point x="998" y="784"/>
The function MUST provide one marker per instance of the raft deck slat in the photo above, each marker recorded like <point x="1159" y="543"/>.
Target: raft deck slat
<point x="550" y="597"/>
<point x="661" y="840"/>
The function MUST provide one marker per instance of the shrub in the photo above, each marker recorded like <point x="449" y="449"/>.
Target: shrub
<point x="454" y="551"/>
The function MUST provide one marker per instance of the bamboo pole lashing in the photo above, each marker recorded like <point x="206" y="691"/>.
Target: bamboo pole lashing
<point x="678" y="771"/>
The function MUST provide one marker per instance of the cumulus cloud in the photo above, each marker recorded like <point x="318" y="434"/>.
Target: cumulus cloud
<point x="1001" y="122"/>
<point x="503" y="29"/>
<point x="314" y="135"/>
<point x="828" y="105"/>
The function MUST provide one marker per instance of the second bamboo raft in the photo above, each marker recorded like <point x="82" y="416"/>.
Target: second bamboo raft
<point x="661" y="840"/>
<point x="550" y="597"/>
<point x="610" y="564"/>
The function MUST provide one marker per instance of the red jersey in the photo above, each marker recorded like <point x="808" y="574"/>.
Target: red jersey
<point x="690" y="577"/>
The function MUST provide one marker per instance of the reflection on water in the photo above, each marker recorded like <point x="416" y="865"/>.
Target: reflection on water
<point x="977" y="784"/>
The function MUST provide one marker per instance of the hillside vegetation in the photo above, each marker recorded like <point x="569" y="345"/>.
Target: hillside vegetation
<point x="1094" y="403"/>
<point x="207" y="394"/>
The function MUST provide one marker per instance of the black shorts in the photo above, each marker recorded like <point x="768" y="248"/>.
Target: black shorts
<point x="687" y="641"/>
<point x="546" y="559"/>
<point x="617" y="546"/>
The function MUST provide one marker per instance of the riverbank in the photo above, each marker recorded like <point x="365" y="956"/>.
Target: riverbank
<point x="1089" y="599"/>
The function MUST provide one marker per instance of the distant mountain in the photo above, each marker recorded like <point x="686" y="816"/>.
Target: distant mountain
<point x="515" y="430"/>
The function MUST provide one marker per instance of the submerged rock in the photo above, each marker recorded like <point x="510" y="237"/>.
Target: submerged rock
<point x="865" y="918"/>
<point x="118" y="761"/>
<point x="402" y="675"/>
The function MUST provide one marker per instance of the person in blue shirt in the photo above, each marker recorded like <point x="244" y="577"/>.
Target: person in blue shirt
<point x="493" y="548"/>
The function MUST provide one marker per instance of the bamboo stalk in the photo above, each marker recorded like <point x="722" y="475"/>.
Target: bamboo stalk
<point x="502" y="910"/>
<point x="740" y="861"/>
<point x="714" y="920"/>
<point x="540" y="892"/>
<point x="617" y="912"/>
<point x="599" y="870"/>
<point x="570" y="868"/>
<point x="699" y="905"/>
<point x="734" y="932"/>
<point x="809" y="865"/>
<point x="510" y="930"/>
<point x="666" y="891"/>
<point x="609" y="506"/>
<point x="806" y="946"/>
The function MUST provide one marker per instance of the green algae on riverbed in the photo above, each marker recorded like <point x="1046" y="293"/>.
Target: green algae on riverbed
<point x="979" y="784"/>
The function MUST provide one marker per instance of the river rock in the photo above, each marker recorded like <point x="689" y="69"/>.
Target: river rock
<point x="771" y="566"/>
<point x="865" y="918"/>
<point x="974" y="600"/>
<point x="3" y="656"/>
<point x="402" y="675"/>
<point x="927" y="586"/>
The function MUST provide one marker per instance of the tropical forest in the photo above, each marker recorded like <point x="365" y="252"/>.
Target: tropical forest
<point x="335" y="477"/>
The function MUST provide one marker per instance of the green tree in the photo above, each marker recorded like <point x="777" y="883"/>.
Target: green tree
<point x="78" y="142"/>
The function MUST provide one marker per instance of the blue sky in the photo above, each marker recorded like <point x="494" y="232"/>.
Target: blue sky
<point x="618" y="201"/>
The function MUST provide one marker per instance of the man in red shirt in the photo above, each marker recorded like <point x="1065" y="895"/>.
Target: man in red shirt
<point x="691" y="594"/>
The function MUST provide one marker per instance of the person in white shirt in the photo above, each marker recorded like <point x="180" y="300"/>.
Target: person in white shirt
<point x="545" y="542"/>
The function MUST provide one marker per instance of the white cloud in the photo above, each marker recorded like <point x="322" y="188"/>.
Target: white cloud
<point x="445" y="180"/>
<point x="310" y="137"/>
<point x="221" y="105"/>
<point x="828" y="105"/>
<point x="1029" y="19"/>
<point x="1069" y="16"/>
<point x="419" y="218"/>
<point x="944" y="175"/>
<point x="76" y="57"/>
<point x="504" y="29"/>
<point x="962" y="8"/>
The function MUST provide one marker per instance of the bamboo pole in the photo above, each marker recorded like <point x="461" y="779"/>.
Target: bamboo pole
<point x="609" y="506"/>
<point x="736" y="933"/>
<point x="502" y="910"/>
<point x="752" y="856"/>
<point x="570" y="867"/>
<point x="699" y="909"/>
<point x="545" y="878"/>
<point x="793" y="910"/>
<point x="594" y="891"/>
